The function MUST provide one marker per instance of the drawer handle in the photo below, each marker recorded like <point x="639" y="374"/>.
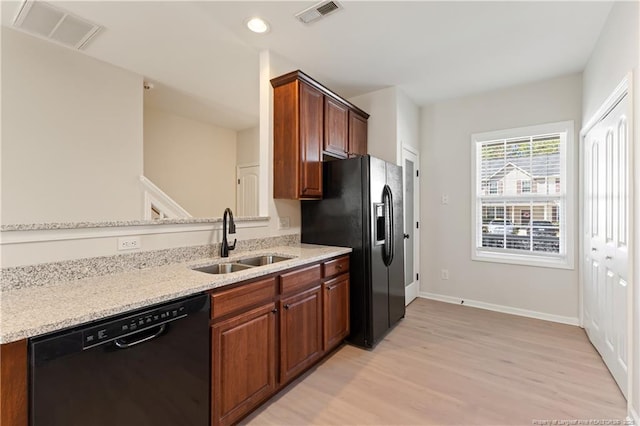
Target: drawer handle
<point x="287" y="306"/>
<point x="339" y="267"/>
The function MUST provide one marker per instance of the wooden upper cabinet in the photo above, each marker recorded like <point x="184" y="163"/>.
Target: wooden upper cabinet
<point x="357" y="134"/>
<point x="298" y="134"/>
<point x="308" y="121"/>
<point x="311" y="136"/>
<point x="336" y="127"/>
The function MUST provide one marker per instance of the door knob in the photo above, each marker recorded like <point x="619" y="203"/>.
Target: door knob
<point x="594" y="249"/>
<point x="608" y="257"/>
<point x="406" y="236"/>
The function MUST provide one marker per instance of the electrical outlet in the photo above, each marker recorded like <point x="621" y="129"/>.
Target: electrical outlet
<point x="284" y="223"/>
<point x="445" y="199"/>
<point x="444" y="274"/>
<point x="129" y="243"/>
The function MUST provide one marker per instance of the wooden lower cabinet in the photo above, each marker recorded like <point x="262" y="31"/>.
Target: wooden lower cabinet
<point x="14" y="406"/>
<point x="335" y="294"/>
<point x="244" y="361"/>
<point x="266" y="332"/>
<point x="300" y="332"/>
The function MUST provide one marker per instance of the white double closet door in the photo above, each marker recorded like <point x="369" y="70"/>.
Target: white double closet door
<point x="606" y="238"/>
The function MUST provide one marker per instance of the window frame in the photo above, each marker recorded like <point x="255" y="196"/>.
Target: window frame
<point x="568" y="193"/>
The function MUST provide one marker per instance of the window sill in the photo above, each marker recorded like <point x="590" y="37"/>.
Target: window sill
<point x="563" y="262"/>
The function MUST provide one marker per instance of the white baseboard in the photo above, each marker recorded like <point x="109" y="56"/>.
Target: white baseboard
<point x="501" y="308"/>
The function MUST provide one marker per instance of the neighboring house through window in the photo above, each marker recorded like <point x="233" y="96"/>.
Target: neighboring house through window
<point x="523" y="195"/>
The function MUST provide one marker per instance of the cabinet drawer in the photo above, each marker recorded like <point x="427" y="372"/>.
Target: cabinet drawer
<point x="242" y="297"/>
<point x="336" y="266"/>
<point x="300" y="279"/>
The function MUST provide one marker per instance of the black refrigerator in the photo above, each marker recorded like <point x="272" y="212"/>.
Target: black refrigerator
<point x="362" y="209"/>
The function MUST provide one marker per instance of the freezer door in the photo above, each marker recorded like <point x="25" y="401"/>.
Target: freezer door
<point x="396" y="267"/>
<point x="379" y="276"/>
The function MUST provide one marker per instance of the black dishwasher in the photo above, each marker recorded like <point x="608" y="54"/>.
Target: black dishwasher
<point x="145" y="367"/>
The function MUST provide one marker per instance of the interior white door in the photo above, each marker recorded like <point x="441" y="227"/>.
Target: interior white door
<point x="606" y="166"/>
<point x="247" y="193"/>
<point x="411" y="230"/>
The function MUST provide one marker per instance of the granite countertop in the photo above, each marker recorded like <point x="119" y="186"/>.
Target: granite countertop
<point x="33" y="311"/>
<point x="117" y="223"/>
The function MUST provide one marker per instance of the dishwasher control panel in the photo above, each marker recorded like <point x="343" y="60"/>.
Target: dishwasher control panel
<point x="123" y="327"/>
<point x="134" y="323"/>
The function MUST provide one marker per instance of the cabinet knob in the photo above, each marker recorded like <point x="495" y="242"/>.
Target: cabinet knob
<point x="274" y="311"/>
<point x="331" y="288"/>
<point x="338" y="267"/>
<point x="287" y="306"/>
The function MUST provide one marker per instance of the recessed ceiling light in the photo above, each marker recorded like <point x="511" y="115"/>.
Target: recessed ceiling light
<point x="257" y="25"/>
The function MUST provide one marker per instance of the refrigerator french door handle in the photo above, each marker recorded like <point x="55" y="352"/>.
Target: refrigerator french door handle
<point x="387" y="198"/>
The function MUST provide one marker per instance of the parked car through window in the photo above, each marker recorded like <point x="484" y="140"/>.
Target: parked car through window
<point x="500" y="226"/>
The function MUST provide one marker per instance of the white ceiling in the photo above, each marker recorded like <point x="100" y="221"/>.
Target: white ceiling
<point x="202" y="58"/>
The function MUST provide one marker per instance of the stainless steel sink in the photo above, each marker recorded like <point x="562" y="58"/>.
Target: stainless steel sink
<point x="222" y="268"/>
<point x="241" y="265"/>
<point x="263" y="260"/>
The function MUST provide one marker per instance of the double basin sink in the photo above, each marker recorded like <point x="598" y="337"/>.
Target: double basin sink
<point x="241" y="264"/>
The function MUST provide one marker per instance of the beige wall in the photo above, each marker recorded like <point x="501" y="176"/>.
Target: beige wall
<point x="393" y="123"/>
<point x="382" y="126"/>
<point x="25" y="248"/>
<point x="191" y="161"/>
<point x="446" y="239"/>
<point x="615" y="54"/>
<point x="248" y="146"/>
<point x="71" y="132"/>
<point x="408" y="123"/>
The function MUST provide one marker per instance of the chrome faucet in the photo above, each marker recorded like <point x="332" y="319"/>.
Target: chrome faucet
<point x="224" y="250"/>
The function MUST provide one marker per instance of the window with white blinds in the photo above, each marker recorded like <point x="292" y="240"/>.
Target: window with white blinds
<point x="523" y="193"/>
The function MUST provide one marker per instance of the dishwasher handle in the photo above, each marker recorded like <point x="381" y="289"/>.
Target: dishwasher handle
<point x="122" y="344"/>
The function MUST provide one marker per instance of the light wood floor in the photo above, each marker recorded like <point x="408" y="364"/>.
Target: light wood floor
<point x="447" y="364"/>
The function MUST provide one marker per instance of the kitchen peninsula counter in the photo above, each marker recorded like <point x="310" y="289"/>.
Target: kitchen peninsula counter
<point x="32" y="311"/>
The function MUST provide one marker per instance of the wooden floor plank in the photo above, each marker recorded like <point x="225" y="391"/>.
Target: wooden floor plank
<point x="454" y="365"/>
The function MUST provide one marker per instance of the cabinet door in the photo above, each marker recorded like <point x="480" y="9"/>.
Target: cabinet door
<point x="286" y="141"/>
<point x="300" y="332"/>
<point x="357" y="134"/>
<point x="336" y="127"/>
<point x="336" y="310"/>
<point x="244" y="361"/>
<point x="311" y="139"/>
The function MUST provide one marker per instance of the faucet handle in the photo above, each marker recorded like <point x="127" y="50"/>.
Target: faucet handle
<point x="233" y="246"/>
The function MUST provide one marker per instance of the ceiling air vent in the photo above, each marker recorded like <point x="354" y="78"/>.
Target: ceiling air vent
<point x="51" y="22"/>
<point x="318" y="11"/>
